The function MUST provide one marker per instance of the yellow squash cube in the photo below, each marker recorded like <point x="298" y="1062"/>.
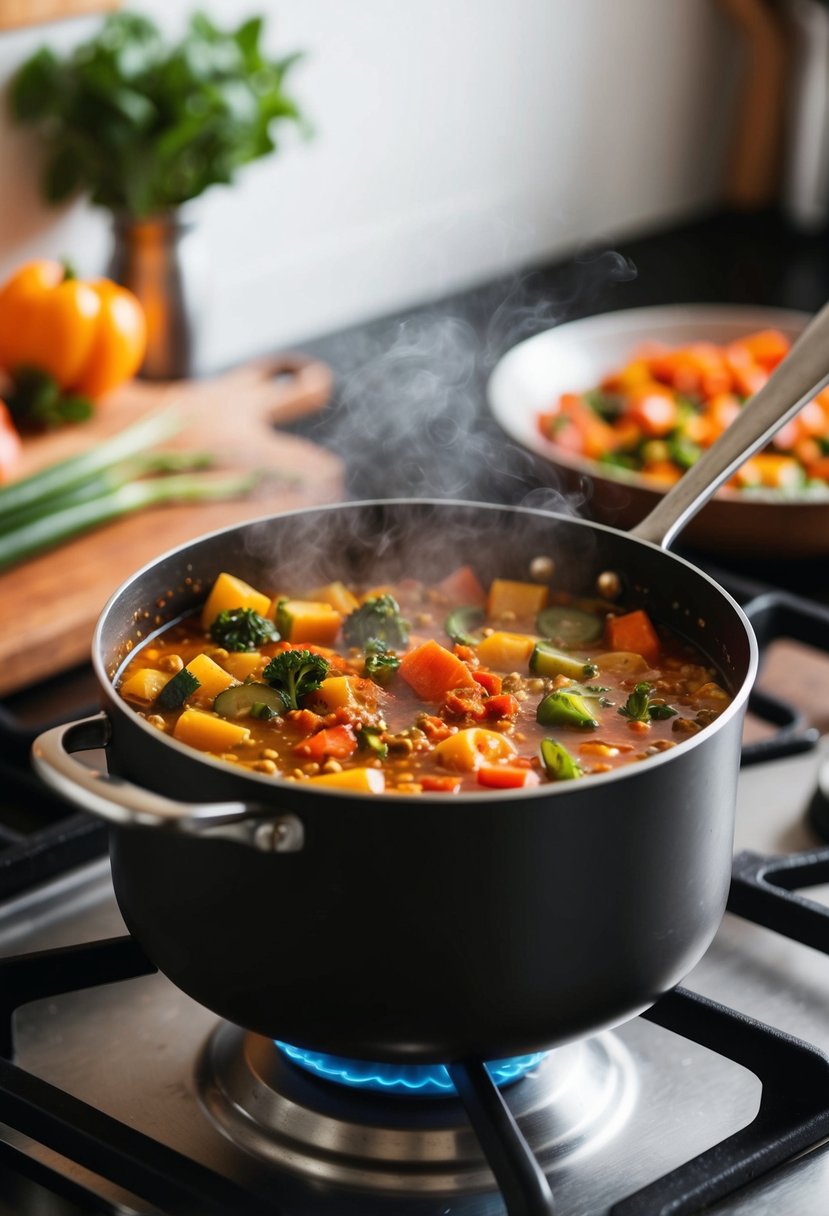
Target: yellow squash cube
<point x="144" y="685"/>
<point x="308" y="621"/>
<point x="244" y="663"/>
<point x="468" y="749"/>
<point x="207" y="732"/>
<point x="229" y="592"/>
<point x="515" y="600"/>
<point x="211" y="677"/>
<point x="361" y="780"/>
<point x="506" y="651"/>
<point x="338" y="596"/>
<point x="335" y="692"/>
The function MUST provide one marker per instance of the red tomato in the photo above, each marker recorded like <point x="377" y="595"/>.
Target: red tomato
<point x="10" y="445"/>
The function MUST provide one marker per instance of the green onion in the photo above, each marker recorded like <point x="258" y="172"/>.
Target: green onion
<point x="61" y="525"/>
<point x="104" y="483"/>
<point x="559" y="765"/>
<point x="67" y="474"/>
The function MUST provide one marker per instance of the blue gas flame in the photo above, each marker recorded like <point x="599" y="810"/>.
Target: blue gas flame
<point x="427" y="1080"/>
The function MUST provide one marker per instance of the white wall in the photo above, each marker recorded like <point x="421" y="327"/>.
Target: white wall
<point x="455" y="139"/>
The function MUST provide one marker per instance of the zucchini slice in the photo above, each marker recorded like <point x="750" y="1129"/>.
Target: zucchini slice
<point x="545" y="660"/>
<point x="255" y="700"/>
<point x="461" y="624"/>
<point x="176" y="691"/>
<point x="569" y="626"/>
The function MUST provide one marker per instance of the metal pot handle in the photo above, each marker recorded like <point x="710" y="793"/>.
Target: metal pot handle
<point x="127" y="805"/>
<point x="804" y="372"/>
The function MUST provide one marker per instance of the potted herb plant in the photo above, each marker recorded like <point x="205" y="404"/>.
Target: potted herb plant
<point x="144" y="125"/>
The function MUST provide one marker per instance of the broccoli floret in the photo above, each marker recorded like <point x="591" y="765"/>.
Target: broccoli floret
<point x="293" y="673"/>
<point x="242" y="629"/>
<point x="377" y="620"/>
<point x="379" y="666"/>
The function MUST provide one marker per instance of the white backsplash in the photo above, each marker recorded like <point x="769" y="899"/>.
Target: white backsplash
<point x="455" y="140"/>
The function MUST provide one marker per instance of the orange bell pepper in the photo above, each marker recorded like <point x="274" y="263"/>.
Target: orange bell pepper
<point x="89" y="336"/>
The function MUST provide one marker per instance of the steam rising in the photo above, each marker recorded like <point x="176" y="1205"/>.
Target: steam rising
<point x="410" y="419"/>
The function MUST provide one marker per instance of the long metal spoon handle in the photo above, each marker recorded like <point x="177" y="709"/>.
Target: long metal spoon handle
<point x="802" y="374"/>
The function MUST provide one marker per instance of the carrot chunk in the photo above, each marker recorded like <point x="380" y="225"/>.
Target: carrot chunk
<point x="431" y="671"/>
<point x="633" y="632"/>
<point x="441" y="785"/>
<point x="336" y="742"/>
<point x="506" y="776"/>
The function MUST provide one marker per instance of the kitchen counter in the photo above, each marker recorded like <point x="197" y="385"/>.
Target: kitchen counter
<point x="409" y="412"/>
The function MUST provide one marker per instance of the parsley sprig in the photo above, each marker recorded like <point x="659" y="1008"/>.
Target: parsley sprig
<point x="640" y="708"/>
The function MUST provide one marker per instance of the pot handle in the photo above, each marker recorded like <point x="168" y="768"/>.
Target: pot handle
<point x="804" y="372"/>
<point x="127" y="805"/>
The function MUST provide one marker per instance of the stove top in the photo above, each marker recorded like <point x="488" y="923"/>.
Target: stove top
<point x="118" y="1094"/>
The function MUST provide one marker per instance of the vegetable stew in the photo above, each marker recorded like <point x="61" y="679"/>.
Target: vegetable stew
<point x="416" y="688"/>
<point x="657" y="414"/>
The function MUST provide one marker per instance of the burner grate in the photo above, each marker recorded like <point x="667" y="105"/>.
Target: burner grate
<point x="793" y="1114"/>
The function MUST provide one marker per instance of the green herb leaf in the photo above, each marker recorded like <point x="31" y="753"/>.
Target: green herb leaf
<point x="240" y="629"/>
<point x="380" y="666"/>
<point x="640" y="708"/>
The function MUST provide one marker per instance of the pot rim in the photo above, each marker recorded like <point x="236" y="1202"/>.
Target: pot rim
<point x="554" y="789"/>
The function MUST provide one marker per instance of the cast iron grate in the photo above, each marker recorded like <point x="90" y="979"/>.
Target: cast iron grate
<point x="793" y="1113"/>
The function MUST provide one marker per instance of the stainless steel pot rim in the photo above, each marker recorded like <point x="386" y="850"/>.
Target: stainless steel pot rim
<point x="470" y="803"/>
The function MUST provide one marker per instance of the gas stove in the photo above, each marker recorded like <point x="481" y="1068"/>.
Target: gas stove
<point x="119" y="1094"/>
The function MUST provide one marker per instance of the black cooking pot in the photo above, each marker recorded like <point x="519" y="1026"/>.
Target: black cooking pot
<point x="426" y="927"/>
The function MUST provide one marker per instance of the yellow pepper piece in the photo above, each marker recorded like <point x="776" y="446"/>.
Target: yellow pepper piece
<point x="144" y="685"/>
<point x="335" y="692"/>
<point x="207" y="732"/>
<point x="506" y="651"/>
<point x="229" y="592"/>
<point x="244" y="663"/>
<point x="210" y="676"/>
<point x="469" y="749"/>
<point x="308" y="621"/>
<point x="362" y="780"/>
<point x="338" y="596"/>
<point x="509" y="598"/>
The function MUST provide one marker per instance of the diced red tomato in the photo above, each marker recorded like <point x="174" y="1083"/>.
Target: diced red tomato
<point x="489" y="681"/>
<point x="10" y="445"/>
<point x="504" y="705"/>
<point x="463" y="586"/>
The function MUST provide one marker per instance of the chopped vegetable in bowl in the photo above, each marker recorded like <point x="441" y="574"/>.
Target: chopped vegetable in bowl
<point x="418" y="688"/>
<point x="657" y="414"/>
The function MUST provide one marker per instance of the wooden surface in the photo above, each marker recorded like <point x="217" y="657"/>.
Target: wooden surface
<point x="14" y="13"/>
<point x="49" y="605"/>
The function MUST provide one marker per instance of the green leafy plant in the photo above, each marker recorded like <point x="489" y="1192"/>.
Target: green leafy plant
<point x="142" y="125"/>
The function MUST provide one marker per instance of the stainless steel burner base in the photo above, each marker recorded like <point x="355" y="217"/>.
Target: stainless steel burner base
<point x="570" y="1104"/>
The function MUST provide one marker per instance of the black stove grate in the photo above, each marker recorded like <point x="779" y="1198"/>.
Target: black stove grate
<point x="793" y="1113"/>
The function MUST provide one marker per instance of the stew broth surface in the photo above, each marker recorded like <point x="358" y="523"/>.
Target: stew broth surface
<point x="466" y="689"/>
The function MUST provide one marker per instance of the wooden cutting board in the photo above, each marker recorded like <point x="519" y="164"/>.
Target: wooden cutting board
<point x="49" y="604"/>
